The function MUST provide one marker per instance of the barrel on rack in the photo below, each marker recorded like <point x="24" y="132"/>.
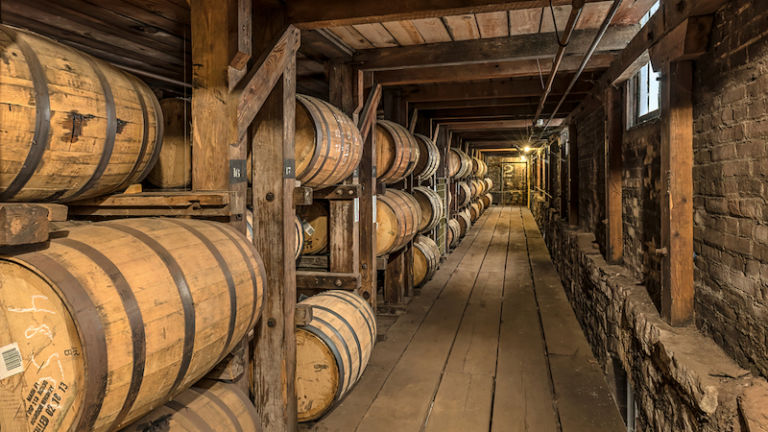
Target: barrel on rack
<point x="315" y="218"/>
<point x="396" y="152"/>
<point x="121" y="316"/>
<point x="397" y="218"/>
<point x="298" y="232"/>
<point x="487" y="200"/>
<point x="453" y="232"/>
<point x="431" y="207"/>
<point x="73" y="126"/>
<point x="426" y="257"/>
<point x="473" y="190"/>
<point x="488" y="183"/>
<point x="209" y="406"/>
<point x="474" y="212"/>
<point x="464" y="194"/>
<point x="332" y="350"/>
<point x="464" y="222"/>
<point x="328" y="144"/>
<point x="459" y="163"/>
<point x="479" y="168"/>
<point x="429" y="158"/>
<point x="480" y="187"/>
<point x="174" y="164"/>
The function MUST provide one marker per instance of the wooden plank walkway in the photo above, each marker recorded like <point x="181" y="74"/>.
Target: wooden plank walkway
<point x="490" y="344"/>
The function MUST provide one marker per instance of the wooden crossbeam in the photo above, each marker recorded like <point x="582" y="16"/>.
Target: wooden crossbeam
<point x="501" y="69"/>
<point x="259" y="82"/>
<point x="522" y="111"/>
<point x="368" y="115"/>
<point x="307" y="14"/>
<point x="522" y="47"/>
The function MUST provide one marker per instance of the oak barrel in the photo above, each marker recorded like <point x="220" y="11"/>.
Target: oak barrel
<point x="121" y="316"/>
<point x="474" y="211"/>
<point x="332" y="351"/>
<point x="396" y="152"/>
<point x="473" y="189"/>
<point x="72" y="126"/>
<point x="315" y="217"/>
<point x="397" y="218"/>
<point x="479" y="168"/>
<point x="464" y="222"/>
<point x="488" y="183"/>
<point x="426" y="257"/>
<point x="298" y="232"/>
<point x="464" y="194"/>
<point x="431" y="207"/>
<point x="174" y="164"/>
<point x="453" y="232"/>
<point x="208" y="406"/>
<point x="328" y="144"/>
<point x="429" y="158"/>
<point x="487" y="200"/>
<point x="459" y="163"/>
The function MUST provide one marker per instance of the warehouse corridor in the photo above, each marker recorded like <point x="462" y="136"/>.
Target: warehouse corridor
<point x="491" y="343"/>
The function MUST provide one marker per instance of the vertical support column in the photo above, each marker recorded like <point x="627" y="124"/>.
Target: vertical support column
<point x="367" y="204"/>
<point x="677" y="192"/>
<point x="614" y="135"/>
<point x="274" y="355"/>
<point x="564" y="152"/>
<point x="573" y="175"/>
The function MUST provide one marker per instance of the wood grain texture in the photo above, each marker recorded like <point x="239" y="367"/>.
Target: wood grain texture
<point x="174" y="163"/>
<point x="397" y="219"/>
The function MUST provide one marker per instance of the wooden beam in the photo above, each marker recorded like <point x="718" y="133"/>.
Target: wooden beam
<point x="676" y="151"/>
<point x="478" y="71"/>
<point x="485" y="125"/>
<point x="500" y="88"/>
<point x="238" y="66"/>
<point x="521" y="47"/>
<point x="687" y="41"/>
<point x="307" y="14"/>
<point x="322" y="280"/>
<point x="614" y="135"/>
<point x="513" y="112"/>
<point x="258" y="83"/>
<point x="367" y="202"/>
<point x="368" y="115"/>
<point x="274" y="350"/>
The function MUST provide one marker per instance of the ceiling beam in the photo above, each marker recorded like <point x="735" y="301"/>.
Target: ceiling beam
<point x="478" y="71"/>
<point x="508" y="111"/>
<point x="521" y="47"/>
<point x="310" y="14"/>
<point x="502" y="88"/>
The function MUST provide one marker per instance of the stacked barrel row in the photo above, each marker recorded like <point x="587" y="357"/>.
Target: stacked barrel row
<point x="111" y="320"/>
<point x="471" y="188"/>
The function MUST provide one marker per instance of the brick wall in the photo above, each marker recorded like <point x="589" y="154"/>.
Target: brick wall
<point x="730" y="184"/>
<point x="590" y="133"/>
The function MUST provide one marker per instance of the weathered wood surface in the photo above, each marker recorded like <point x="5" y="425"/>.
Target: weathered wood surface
<point x="156" y="204"/>
<point x="28" y="223"/>
<point x="318" y="280"/>
<point x="174" y="163"/>
<point x="613" y="148"/>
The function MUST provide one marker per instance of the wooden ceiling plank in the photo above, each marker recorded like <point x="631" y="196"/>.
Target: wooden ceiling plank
<point x="477" y="71"/>
<point x="432" y="30"/>
<point x="462" y="27"/>
<point x="351" y="37"/>
<point x="307" y="14"/>
<point x="377" y="35"/>
<point x="561" y="17"/>
<point x="164" y="15"/>
<point x="593" y="15"/>
<point x="524" y="21"/>
<point x="405" y="32"/>
<point x="488" y="50"/>
<point x="493" y="24"/>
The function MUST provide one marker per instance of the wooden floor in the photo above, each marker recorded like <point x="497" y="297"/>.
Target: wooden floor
<point x="490" y="344"/>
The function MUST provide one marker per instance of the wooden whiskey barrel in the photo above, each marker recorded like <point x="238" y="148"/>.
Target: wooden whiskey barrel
<point x="474" y="212"/>
<point x="316" y="234"/>
<point x="121" y="316"/>
<point x="487" y="200"/>
<point x="397" y="218"/>
<point x="473" y="190"/>
<point x="464" y="194"/>
<point x="429" y="158"/>
<point x="208" y="406"/>
<point x="328" y="144"/>
<point x="431" y="207"/>
<point x="464" y="222"/>
<point x="479" y="168"/>
<point x="396" y="152"/>
<point x="332" y="351"/>
<point x="174" y="164"/>
<point x="298" y="232"/>
<point x="426" y="257"/>
<point x="453" y="232"/>
<point x="459" y="163"/>
<point x="488" y="183"/>
<point x="72" y="126"/>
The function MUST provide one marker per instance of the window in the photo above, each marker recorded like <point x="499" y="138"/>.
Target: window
<point x="644" y="86"/>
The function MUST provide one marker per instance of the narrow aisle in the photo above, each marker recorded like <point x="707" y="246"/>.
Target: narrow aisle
<point x="490" y="344"/>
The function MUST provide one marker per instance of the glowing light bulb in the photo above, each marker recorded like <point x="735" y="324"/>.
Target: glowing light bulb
<point x="527" y="149"/>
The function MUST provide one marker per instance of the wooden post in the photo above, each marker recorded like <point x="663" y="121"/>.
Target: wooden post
<point x="677" y="192"/>
<point x="573" y="175"/>
<point x="564" y="179"/>
<point x="613" y="103"/>
<point x="395" y="278"/>
<point x="274" y="350"/>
